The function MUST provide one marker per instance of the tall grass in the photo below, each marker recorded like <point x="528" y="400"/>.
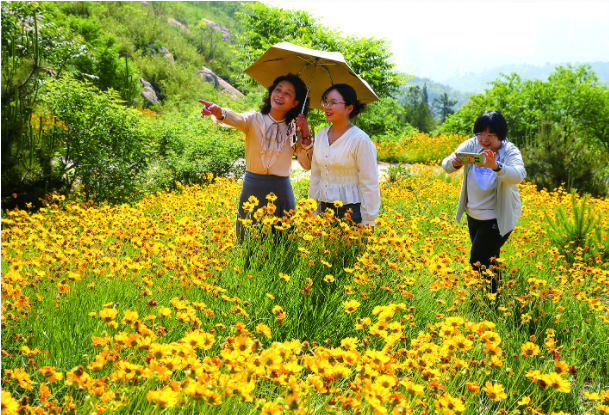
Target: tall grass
<point x="151" y="308"/>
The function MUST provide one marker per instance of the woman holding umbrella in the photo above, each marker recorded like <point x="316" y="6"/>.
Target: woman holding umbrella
<point x="271" y="140"/>
<point x="344" y="166"/>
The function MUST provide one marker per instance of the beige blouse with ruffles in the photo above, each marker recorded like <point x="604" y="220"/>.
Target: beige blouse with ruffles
<point x="268" y="149"/>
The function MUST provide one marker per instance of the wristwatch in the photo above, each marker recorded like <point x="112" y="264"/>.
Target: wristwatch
<point x="499" y="167"/>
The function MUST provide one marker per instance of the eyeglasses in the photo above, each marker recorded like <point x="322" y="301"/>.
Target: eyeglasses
<point x="489" y="136"/>
<point x="330" y="104"/>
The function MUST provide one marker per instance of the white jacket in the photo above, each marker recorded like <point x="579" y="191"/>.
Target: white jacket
<point x="508" y="206"/>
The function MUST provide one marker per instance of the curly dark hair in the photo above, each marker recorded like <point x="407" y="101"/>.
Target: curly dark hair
<point x="301" y="93"/>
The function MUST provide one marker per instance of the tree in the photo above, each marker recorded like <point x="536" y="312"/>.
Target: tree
<point x="572" y="98"/>
<point x="266" y="26"/>
<point x="33" y="50"/>
<point x="443" y="106"/>
<point x="417" y="111"/>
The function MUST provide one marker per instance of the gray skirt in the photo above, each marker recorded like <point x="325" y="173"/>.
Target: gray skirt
<point x="259" y="186"/>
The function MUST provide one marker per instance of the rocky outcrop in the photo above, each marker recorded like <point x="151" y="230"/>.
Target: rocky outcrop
<point x="166" y="54"/>
<point x="174" y="22"/>
<point x="221" y="29"/>
<point x="148" y="92"/>
<point x="219" y="83"/>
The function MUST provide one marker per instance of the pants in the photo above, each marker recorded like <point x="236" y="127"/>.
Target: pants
<point x="356" y="216"/>
<point x="486" y="243"/>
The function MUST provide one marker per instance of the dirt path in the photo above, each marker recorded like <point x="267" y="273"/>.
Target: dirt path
<point x="383" y="166"/>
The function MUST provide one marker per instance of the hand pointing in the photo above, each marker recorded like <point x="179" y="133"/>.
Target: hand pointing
<point x="209" y="108"/>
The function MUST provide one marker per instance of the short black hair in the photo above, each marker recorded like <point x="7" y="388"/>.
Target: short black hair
<point x="494" y="121"/>
<point x="349" y="96"/>
<point x="301" y="92"/>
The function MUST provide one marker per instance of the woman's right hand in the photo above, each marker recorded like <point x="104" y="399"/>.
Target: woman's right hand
<point x="456" y="161"/>
<point x="209" y="108"/>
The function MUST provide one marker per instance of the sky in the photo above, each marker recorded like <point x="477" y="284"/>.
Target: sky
<point x="440" y="39"/>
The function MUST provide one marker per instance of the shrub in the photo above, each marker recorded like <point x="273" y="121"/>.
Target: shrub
<point x="185" y="148"/>
<point x="554" y="157"/>
<point x="103" y="150"/>
<point x="579" y="235"/>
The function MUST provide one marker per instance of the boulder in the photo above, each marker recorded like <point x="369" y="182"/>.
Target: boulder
<point x="219" y="83"/>
<point x="174" y="22"/>
<point x="221" y="29"/>
<point x="148" y="92"/>
<point x="166" y="54"/>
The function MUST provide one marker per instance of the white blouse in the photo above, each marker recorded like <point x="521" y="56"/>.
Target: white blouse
<point x="347" y="171"/>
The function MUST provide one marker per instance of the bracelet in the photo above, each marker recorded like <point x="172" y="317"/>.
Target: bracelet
<point x="310" y="136"/>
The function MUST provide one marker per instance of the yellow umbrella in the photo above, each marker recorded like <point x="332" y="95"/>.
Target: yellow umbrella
<point x="320" y="69"/>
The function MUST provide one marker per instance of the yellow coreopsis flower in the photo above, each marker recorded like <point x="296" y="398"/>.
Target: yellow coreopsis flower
<point x="9" y="405"/>
<point x="108" y="314"/>
<point x="495" y="392"/>
<point x="329" y="278"/>
<point x="163" y="398"/>
<point x="264" y="330"/>
<point x="529" y="349"/>
<point x="554" y="380"/>
<point x="351" y="305"/>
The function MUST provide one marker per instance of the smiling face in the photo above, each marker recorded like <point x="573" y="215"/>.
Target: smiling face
<point x="337" y="112"/>
<point x="489" y="141"/>
<point x="283" y="97"/>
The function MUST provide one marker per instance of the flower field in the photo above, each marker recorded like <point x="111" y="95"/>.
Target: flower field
<point x="151" y="309"/>
<point x="419" y="148"/>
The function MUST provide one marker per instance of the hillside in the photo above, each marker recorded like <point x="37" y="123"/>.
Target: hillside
<point x="172" y="50"/>
<point x="478" y="82"/>
<point x="435" y="89"/>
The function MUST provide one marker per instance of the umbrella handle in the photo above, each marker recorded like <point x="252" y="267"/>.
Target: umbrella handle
<point x="309" y="87"/>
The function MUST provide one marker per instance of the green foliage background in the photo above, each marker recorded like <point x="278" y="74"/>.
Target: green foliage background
<point x="102" y="49"/>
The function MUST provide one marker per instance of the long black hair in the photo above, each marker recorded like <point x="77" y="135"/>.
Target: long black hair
<point x="349" y="96"/>
<point x="494" y="121"/>
<point x="301" y="92"/>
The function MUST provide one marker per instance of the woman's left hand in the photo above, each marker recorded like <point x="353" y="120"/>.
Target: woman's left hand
<point x="303" y="123"/>
<point x="489" y="159"/>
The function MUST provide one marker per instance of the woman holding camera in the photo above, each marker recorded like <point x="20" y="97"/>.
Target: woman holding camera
<point x="271" y="140"/>
<point x="489" y="192"/>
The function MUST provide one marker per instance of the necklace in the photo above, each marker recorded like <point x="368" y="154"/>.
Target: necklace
<point x="332" y="140"/>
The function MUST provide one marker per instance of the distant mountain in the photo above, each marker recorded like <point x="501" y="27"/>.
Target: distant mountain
<point x="435" y="89"/>
<point x="478" y="82"/>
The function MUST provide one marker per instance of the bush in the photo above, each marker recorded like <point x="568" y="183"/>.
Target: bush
<point x="103" y="149"/>
<point x="554" y="157"/>
<point x="185" y="148"/>
<point x="578" y="236"/>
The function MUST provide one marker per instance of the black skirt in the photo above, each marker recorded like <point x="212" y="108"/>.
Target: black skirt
<point x="260" y="186"/>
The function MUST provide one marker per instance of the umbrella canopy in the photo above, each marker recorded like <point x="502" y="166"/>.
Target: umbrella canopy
<point x="319" y="70"/>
